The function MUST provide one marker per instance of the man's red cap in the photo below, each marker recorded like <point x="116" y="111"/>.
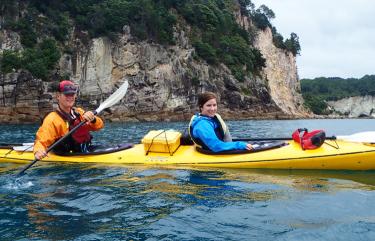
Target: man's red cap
<point x="67" y="87"/>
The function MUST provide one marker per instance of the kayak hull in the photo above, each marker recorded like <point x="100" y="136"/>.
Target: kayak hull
<point x="349" y="156"/>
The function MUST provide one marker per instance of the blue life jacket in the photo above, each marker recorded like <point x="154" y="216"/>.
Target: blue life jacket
<point x="221" y="129"/>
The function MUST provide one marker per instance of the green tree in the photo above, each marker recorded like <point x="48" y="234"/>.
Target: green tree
<point x="292" y="44"/>
<point x="278" y="41"/>
<point x="10" y="60"/>
<point x="261" y="20"/>
<point x="315" y="104"/>
<point x="246" y="7"/>
<point x="206" y="51"/>
<point x="39" y="61"/>
<point x="28" y="35"/>
<point x="266" y="11"/>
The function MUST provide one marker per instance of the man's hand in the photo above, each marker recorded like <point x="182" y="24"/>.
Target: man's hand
<point x="39" y="155"/>
<point x="89" y="116"/>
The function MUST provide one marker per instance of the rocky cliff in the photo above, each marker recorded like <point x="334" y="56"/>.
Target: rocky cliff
<point x="357" y="106"/>
<point x="164" y="81"/>
<point x="281" y="74"/>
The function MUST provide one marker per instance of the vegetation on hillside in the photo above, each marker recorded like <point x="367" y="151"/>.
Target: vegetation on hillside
<point x="262" y="17"/>
<point x="319" y="90"/>
<point x="38" y="60"/>
<point x="214" y="32"/>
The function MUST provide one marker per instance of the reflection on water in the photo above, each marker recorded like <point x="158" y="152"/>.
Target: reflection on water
<point x="114" y="202"/>
<point x="94" y="202"/>
<point x="363" y="177"/>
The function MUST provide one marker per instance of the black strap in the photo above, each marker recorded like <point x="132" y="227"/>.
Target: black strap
<point x="166" y="140"/>
<point x="336" y="147"/>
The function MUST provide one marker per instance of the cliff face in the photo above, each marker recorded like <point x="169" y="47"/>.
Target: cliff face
<point x="280" y="72"/>
<point x="282" y="76"/>
<point x="357" y="106"/>
<point x="164" y="81"/>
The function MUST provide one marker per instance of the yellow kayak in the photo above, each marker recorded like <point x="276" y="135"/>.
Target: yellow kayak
<point x="333" y="155"/>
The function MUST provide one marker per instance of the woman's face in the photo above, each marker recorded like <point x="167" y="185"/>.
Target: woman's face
<point x="209" y="108"/>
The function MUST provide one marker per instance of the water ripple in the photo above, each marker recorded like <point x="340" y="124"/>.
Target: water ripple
<point x="96" y="202"/>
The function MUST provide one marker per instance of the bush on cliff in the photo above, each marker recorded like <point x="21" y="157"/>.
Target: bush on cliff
<point x="212" y="29"/>
<point x="39" y="61"/>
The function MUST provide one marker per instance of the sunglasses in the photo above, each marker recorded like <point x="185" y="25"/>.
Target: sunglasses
<point x="69" y="94"/>
<point x="69" y="89"/>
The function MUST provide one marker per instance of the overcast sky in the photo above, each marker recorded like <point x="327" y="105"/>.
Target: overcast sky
<point x="337" y="37"/>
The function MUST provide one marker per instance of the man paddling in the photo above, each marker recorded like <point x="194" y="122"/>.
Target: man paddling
<point x="58" y="123"/>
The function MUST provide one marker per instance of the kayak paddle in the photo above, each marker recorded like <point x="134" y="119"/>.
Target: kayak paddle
<point x="367" y="137"/>
<point x="275" y="139"/>
<point x="110" y="101"/>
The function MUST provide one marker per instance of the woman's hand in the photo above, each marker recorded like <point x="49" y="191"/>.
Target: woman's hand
<point x="249" y="147"/>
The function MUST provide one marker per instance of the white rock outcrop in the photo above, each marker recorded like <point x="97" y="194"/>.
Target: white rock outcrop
<point x="357" y="106"/>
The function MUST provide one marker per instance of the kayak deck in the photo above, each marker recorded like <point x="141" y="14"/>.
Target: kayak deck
<point x="349" y="156"/>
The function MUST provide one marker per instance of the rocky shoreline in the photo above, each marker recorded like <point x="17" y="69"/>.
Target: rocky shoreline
<point x="164" y="80"/>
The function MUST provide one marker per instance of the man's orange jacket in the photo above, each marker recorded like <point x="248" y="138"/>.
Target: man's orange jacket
<point x="54" y="127"/>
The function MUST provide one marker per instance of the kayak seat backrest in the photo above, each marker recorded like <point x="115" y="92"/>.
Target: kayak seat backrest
<point x="186" y="140"/>
<point x="257" y="146"/>
<point x="100" y="149"/>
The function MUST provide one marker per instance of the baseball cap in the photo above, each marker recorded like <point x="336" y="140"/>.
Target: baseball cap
<point x="67" y="87"/>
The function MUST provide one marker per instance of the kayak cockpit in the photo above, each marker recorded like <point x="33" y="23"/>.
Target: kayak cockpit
<point x="99" y="149"/>
<point x="257" y="147"/>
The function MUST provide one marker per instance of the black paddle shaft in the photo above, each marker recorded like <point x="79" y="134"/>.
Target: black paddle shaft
<point x="52" y="146"/>
<point x="276" y="139"/>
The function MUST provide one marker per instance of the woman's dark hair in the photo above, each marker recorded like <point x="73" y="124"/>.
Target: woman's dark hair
<point x="204" y="97"/>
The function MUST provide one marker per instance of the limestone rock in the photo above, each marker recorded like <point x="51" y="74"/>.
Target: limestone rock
<point x="10" y="40"/>
<point x="357" y="106"/>
<point x="281" y="74"/>
<point x="164" y="81"/>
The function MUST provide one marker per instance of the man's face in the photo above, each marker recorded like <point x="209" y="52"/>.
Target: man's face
<point x="66" y="101"/>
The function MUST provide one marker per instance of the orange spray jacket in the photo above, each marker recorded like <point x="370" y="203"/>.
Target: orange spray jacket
<point x="54" y="127"/>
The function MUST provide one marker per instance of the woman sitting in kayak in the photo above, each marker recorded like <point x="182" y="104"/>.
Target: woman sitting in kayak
<point x="57" y="123"/>
<point x="208" y="130"/>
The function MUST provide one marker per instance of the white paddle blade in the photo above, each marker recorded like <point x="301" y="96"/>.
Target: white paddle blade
<point x="367" y="136"/>
<point x="114" y="98"/>
<point x="24" y="148"/>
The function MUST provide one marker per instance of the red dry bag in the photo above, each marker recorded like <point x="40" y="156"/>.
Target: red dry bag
<point x="309" y="140"/>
